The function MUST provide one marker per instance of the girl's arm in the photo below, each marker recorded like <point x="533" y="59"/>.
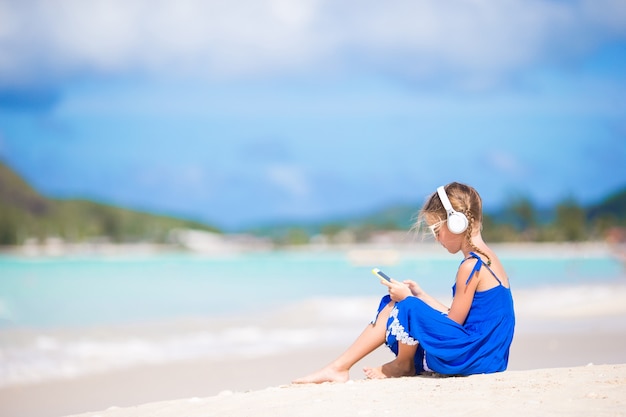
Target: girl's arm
<point x="401" y="290"/>
<point x="417" y="291"/>
<point x="464" y="294"/>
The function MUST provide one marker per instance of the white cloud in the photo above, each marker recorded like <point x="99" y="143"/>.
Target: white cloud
<point x="257" y="37"/>
<point x="506" y="163"/>
<point x="290" y="179"/>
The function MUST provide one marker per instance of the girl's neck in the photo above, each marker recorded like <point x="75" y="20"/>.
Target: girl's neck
<point x="478" y="242"/>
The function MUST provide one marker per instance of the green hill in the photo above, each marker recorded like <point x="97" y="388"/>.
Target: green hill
<point x="24" y="213"/>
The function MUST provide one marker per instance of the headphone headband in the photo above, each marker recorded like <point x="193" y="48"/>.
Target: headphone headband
<point x="444" y="199"/>
<point x="457" y="222"/>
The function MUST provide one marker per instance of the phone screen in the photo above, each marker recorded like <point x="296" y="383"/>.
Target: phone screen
<point x="380" y="274"/>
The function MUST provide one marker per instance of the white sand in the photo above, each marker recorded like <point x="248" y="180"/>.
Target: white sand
<point x="583" y="391"/>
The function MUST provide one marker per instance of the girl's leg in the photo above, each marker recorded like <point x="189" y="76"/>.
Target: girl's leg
<point x="402" y="365"/>
<point x="339" y="370"/>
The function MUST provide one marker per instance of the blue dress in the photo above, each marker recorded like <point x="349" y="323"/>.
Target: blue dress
<point x="480" y="345"/>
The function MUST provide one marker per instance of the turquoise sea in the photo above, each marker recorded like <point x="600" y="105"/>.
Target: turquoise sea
<point x="69" y="316"/>
<point x="83" y="291"/>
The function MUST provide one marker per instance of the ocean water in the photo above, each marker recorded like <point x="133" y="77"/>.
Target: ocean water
<point x="70" y="316"/>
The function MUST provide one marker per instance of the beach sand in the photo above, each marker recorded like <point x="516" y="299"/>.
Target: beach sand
<point x="581" y="391"/>
<point x="568" y="358"/>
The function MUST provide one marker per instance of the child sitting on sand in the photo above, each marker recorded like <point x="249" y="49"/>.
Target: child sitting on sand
<point x="473" y="336"/>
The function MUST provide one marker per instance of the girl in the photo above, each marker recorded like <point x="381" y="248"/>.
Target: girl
<point x="471" y="336"/>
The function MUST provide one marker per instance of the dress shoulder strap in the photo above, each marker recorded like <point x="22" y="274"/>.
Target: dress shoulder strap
<point x="477" y="266"/>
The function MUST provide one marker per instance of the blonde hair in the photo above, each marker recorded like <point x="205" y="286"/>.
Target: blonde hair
<point x="464" y="199"/>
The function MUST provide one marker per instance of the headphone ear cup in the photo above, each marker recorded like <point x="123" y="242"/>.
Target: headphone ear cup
<point x="457" y="223"/>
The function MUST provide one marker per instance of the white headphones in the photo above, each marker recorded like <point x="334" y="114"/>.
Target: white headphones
<point x="457" y="222"/>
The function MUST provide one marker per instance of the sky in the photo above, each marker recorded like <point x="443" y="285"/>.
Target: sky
<point x="245" y="112"/>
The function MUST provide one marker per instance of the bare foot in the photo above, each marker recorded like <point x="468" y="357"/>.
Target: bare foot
<point x="327" y="374"/>
<point x="393" y="369"/>
<point x="374" y="373"/>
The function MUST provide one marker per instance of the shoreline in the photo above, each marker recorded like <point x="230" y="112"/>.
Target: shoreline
<point x="45" y="355"/>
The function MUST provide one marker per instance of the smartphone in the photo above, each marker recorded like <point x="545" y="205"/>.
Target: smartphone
<point x="381" y="274"/>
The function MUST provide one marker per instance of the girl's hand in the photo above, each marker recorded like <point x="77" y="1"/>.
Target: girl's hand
<point x="416" y="290"/>
<point x="397" y="290"/>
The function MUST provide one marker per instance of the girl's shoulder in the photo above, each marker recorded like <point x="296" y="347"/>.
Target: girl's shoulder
<point x="485" y="274"/>
<point x="467" y="269"/>
<point x="497" y="269"/>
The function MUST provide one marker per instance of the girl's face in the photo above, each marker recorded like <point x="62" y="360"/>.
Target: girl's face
<point x="452" y="242"/>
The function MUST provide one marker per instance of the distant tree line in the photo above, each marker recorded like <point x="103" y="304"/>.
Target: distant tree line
<point x="519" y="221"/>
<point x="568" y="221"/>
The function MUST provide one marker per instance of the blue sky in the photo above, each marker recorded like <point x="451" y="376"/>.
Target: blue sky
<point x="247" y="111"/>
